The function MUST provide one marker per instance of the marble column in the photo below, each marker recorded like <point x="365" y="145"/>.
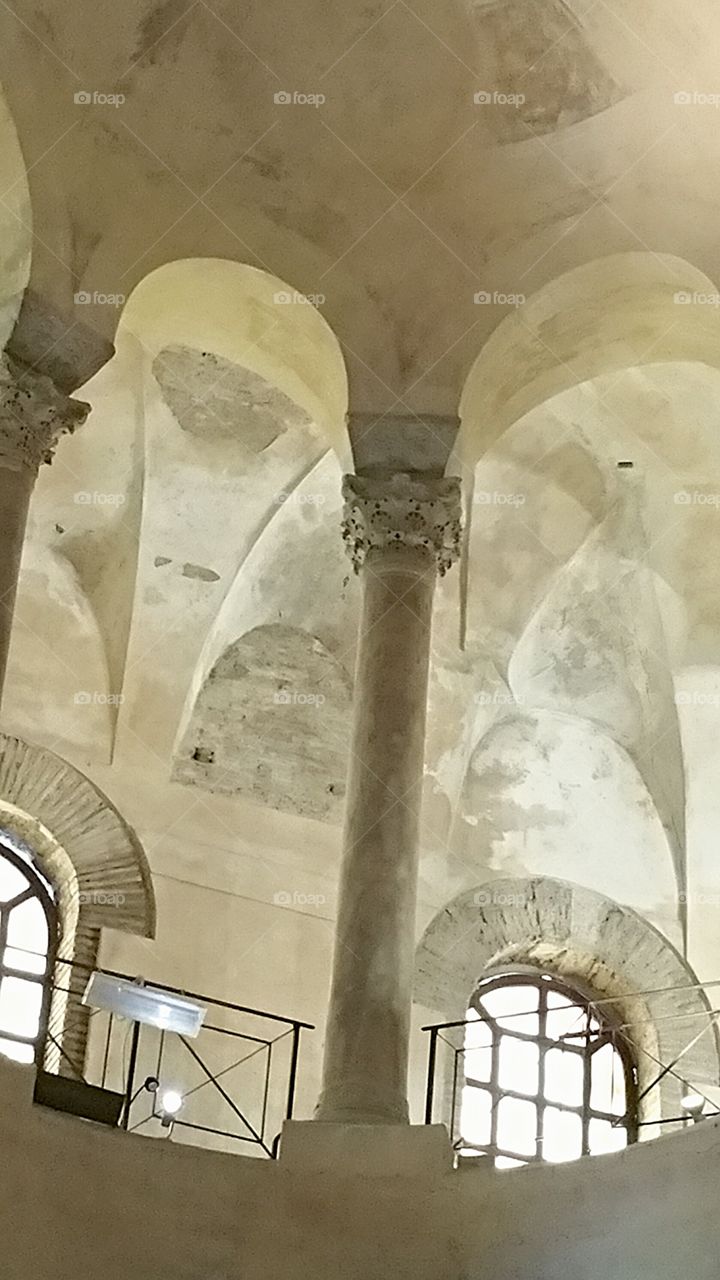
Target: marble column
<point x="33" y="415"/>
<point x="401" y="531"/>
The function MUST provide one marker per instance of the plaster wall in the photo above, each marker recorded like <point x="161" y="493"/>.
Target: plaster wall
<point x="79" y="1199"/>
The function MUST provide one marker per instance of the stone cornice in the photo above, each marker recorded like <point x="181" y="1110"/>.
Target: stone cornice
<point x="33" y="416"/>
<point x="401" y="510"/>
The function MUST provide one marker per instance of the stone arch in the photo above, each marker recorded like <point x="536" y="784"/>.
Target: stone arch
<point x="591" y="941"/>
<point x="614" y="313"/>
<point x="222" y="389"/>
<point x="90" y="855"/>
<point x="251" y="318"/>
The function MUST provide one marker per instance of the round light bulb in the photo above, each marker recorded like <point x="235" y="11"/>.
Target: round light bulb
<point x="171" y="1102"/>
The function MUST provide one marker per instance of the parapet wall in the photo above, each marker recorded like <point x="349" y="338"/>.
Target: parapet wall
<point x="80" y="1200"/>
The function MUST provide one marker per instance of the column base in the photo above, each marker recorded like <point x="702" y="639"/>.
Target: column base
<point x="384" y="1150"/>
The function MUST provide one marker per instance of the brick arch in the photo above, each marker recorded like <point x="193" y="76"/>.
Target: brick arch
<point x="593" y="943"/>
<point x="90" y="855"/>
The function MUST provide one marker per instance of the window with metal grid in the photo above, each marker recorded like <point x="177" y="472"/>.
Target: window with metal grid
<point x="547" y="1075"/>
<point x="28" y="927"/>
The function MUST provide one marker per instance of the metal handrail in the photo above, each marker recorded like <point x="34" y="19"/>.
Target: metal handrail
<point x="255" y="1133"/>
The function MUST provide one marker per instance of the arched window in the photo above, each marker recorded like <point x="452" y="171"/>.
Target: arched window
<point x="28" y="935"/>
<point x="547" y="1075"/>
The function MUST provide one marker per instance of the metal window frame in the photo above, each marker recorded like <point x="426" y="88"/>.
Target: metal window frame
<point x="609" y="1032"/>
<point x="37" y="889"/>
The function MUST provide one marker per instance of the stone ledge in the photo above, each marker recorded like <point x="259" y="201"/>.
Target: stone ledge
<point x="392" y="1150"/>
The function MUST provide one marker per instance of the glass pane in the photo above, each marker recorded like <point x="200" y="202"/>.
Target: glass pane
<point x="603" y="1137"/>
<point x="28" y="931"/>
<point x="18" y="1052"/>
<point x="475" y="1115"/>
<point x="508" y="1005"/>
<point x="562" y="1135"/>
<point x="565" y="1020"/>
<point x="518" y="1065"/>
<point x="20" y="1003"/>
<point x="517" y="1126"/>
<point x="607" y="1092"/>
<point x="12" y="881"/>
<point x="477" y="1033"/>
<point x="564" y="1076"/>
<point x="478" y="1064"/>
<point x="507" y="1162"/>
<point x="26" y="961"/>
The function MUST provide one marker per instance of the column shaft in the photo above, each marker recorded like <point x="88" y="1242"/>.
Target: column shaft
<point x="366" y="1055"/>
<point x="400" y="530"/>
<point x="15" y="490"/>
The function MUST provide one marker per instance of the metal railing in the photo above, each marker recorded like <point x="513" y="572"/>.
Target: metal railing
<point x="445" y="1073"/>
<point x="237" y="1080"/>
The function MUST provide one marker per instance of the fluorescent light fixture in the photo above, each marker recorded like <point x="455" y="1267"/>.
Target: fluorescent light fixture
<point x="149" y="1005"/>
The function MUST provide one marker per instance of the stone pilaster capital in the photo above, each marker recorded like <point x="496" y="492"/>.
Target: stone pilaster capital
<point x="33" y="416"/>
<point x="401" y="510"/>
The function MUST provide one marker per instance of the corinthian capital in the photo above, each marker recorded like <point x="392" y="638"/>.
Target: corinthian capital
<point x="33" y="416"/>
<point x="402" y="510"/>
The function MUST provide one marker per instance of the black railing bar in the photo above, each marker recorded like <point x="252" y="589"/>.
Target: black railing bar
<point x="706" y="1115"/>
<point x="430" y="1083"/>
<point x="130" y="1094"/>
<point x="64" y="1054"/>
<point x="225" y="1070"/>
<point x="639" y="1048"/>
<point x="238" y="1035"/>
<point x="290" y="1104"/>
<point x="265" y="1093"/>
<point x="151" y="1115"/>
<point x="224" y="1133"/>
<point x="548" y="1041"/>
<point x="630" y="995"/>
<point x="669" y="1068"/>
<point x="220" y="1089"/>
<point x="192" y="995"/>
<point x="529" y="1035"/>
<point x="106" y="1055"/>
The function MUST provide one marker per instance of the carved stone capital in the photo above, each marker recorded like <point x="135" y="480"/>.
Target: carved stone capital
<point x="402" y="510"/>
<point x="33" y="416"/>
